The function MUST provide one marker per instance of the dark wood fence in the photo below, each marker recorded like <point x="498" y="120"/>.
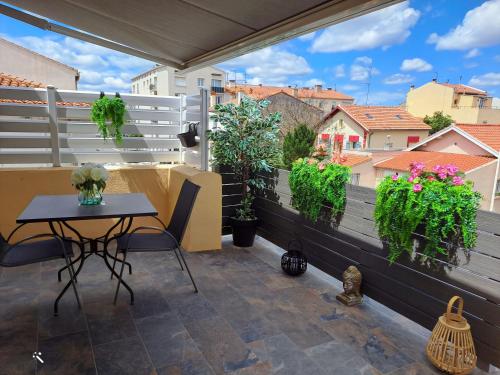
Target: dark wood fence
<point x="417" y="291"/>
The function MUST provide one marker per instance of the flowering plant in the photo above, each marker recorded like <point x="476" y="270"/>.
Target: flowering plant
<point x="440" y="200"/>
<point x="314" y="183"/>
<point x="90" y="180"/>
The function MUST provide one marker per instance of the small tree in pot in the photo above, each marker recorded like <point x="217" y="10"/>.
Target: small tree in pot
<point x="247" y="142"/>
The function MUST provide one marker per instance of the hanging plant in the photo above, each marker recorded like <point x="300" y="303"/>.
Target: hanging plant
<point x="109" y="116"/>
<point x="439" y="202"/>
<point x="315" y="183"/>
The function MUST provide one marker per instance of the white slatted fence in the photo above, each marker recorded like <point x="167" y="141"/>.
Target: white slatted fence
<point x="53" y="127"/>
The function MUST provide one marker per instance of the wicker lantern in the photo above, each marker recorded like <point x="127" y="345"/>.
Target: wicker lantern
<point x="451" y="348"/>
<point x="293" y="262"/>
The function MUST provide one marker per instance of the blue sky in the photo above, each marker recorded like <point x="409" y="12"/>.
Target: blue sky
<point x="409" y="43"/>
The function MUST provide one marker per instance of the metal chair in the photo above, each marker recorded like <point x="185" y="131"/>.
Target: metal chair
<point x="34" y="249"/>
<point x="166" y="238"/>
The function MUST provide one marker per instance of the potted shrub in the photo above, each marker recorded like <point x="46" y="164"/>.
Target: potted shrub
<point x="439" y="203"/>
<point x="247" y="142"/>
<point x="109" y="116"/>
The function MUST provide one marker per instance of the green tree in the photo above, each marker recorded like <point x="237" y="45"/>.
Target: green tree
<point x="248" y="142"/>
<point x="297" y="144"/>
<point x="438" y="121"/>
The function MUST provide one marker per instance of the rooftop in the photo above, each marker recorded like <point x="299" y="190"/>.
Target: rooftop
<point x="248" y="318"/>
<point x="487" y="134"/>
<point x="262" y="92"/>
<point x="464" y="89"/>
<point x="352" y="159"/>
<point x="380" y="117"/>
<point x="465" y="163"/>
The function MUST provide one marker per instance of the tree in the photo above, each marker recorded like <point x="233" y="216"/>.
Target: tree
<point x="438" y="121"/>
<point x="248" y="142"/>
<point x="297" y="144"/>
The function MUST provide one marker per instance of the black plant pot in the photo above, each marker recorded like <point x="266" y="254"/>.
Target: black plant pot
<point x="187" y="139"/>
<point x="243" y="232"/>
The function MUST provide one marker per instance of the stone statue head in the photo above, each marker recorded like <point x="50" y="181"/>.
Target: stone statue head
<point x="352" y="281"/>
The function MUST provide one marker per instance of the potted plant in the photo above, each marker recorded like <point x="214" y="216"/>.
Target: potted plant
<point x="246" y="141"/>
<point x="90" y="181"/>
<point x="109" y="116"/>
<point x="437" y="202"/>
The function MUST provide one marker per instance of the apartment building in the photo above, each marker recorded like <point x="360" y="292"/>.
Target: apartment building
<point x="324" y="99"/>
<point x="167" y="81"/>
<point x="463" y="103"/>
<point x="374" y="128"/>
<point x="18" y="61"/>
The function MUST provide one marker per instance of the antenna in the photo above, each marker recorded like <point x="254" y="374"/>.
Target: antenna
<point x="436" y="75"/>
<point x="368" y="84"/>
<point x="460" y="79"/>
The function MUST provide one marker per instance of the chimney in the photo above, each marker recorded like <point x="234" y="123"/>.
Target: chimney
<point x="232" y="82"/>
<point x="329" y="89"/>
<point x="260" y="84"/>
<point x="412" y="87"/>
<point x="296" y="92"/>
<point x="289" y="86"/>
<point x="434" y="80"/>
<point x="318" y="88"/>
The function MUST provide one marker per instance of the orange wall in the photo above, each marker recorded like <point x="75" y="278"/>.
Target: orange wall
<point x="19" y="186"/>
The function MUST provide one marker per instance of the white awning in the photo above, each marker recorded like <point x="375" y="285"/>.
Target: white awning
<point x="188" y="34"/>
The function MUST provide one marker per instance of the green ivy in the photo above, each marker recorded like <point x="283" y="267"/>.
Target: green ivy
<point x="442" y="204"/>
<point x="314" y="184"/>
<point x="110" y="110"/>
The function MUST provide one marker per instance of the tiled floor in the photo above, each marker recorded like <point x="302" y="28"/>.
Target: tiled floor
<point x="249" y="318"/>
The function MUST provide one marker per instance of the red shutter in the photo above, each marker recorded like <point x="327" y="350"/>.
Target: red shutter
<point x="413" y="139"/>
<point x="354" y="138"/>
<point x="339" y="138"/>
<point x="325" y="136"/>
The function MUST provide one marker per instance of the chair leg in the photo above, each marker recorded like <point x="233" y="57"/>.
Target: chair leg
<point x="177" y="256"/>
<point x="120" y="277"/>
<point x="187" y="269"/>
<point x="114" y="261"/>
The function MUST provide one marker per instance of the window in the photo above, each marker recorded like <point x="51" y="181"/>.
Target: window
<point x="497" y="192"/>
<point x="180" y="81"/>
<point x="216" y="83"/>
<point x="412" y="139"/>
<point x="218" y="99"/>
<point x="200" y="82"/>
<point x="355" y="178"/>
<point x="481" y="102"/>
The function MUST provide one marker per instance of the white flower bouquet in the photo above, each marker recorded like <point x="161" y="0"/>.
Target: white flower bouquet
<point x="90" y="180"/>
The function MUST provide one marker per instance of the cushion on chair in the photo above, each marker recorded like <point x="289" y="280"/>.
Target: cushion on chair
<point x="146" y="242"/>
<point x="34" y="252"/>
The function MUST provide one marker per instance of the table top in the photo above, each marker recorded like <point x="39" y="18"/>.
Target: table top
<point x="45" y="208"/>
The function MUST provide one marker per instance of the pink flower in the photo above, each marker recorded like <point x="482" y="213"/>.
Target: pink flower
<point x="417" y="165"/>
<point x="451" y="169"/>
<point x="411" y="178"/>
<point x="436" y="168"/>
<point x="395" y="177"/>
<point x="312" y="161"/>
<point x="417" y="188"/>
<point x="457" y="180"/>
<point x="431" y="178"/>
<point x="321" y="166"/>
<point x="442" y="175"/>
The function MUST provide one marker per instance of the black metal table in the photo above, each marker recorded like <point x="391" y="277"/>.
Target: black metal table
<point x="58" y="210"/>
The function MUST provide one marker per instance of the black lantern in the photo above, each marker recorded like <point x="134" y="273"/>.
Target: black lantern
<point x="293" y="262"/>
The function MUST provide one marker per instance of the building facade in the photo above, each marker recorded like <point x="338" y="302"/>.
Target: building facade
<point x="324" y="99"/>
<point x="21" y="62"/>
<point x="167" y="81"/>
<point x="463" y="103"/>
<point x="372" y="128"/>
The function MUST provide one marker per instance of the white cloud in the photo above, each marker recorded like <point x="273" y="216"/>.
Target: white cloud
<point x="416" y="64"/>
<point x="362" y="68"/>
<point x="479" y="28"/>
<point x="386" y="98"/>
<point x="487" y="79"/>
<point x="313" y="82"/>
<point x="382" y="28"/>
<point x="350" y="87"/>
<point x="398" y="79"/>
<point x="270" y="65"/>
<point x="471" y="65"/>
<point x="339" y="71"/>
<point x="101" y="69"/>
<point x="472" y="53"/>
<point x="307" y="37"/>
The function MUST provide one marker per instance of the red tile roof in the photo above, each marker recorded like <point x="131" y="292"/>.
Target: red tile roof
<point x="15" y="81"/>
<point x="464" y="89"/>
<point x="262" y="92"/>
<point x="380" y="117"/>
<point x="487" y="134"/>
<point x="465" y="163"/>
<point x="352" y="159"/>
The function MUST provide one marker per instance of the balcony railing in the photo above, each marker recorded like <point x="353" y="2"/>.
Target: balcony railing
<point x="53" y="127"/>
<point x="217" y="89"/>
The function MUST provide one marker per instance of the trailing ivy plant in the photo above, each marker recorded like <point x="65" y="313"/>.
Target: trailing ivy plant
<point x="109" y="115"/>
<point x="439" y="202"/>
<point x="314" y="183"/>
<point x="248" y="142"/>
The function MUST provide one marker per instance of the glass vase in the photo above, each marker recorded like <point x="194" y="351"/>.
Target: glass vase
<point x="90" y="197"/>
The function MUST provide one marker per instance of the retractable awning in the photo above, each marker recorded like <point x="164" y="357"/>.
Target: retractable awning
<point x="187" y="34"/>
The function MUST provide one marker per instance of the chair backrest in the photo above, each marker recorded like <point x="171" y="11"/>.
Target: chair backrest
<point x="182" y="210"/>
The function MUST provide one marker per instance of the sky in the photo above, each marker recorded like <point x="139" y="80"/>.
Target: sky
<point x="374" y="58"/>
